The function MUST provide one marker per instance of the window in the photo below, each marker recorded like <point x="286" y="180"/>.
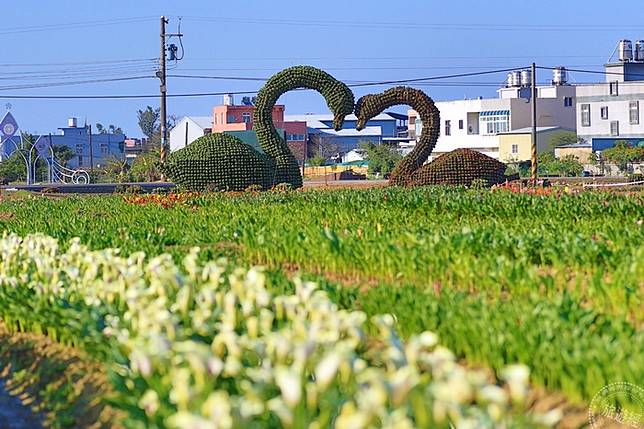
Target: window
<point x="460" y="124"/>
<point x="614" y="128"/>
<point x="448" y="128"/>
<point x="105" y="149"/>
<point x="515" y="148"/>
<point x="613" y="88"/>
<point x="495" y="122"/>
<point x="604" y="112"/>
<point x="585" y="115"/>
<point x="231" y="119"/>
<point x="246" y="117"/>
<point x="634" y="112"/>
<point x="79" y="149"/>
<point x="295" y="137"/>
<point x="567" y="101"/>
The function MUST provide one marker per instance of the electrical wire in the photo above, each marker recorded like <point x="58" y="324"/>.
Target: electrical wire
<point x="603" y="72"/>
<point x="417" y="26"/>
<point x="204" y="94"/>
<point x="74" y="63"/>
<point x="81" y="82"/>
<point x="75" y="25"/>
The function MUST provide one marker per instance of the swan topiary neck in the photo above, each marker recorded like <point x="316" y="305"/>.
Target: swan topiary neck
<point x="373" y="104"/>
<point x="338" y="96"/>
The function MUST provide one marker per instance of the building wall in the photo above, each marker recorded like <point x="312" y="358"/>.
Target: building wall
<point x="552" y="110"/>
<point x="231" y="118"/>
<point x="104" y="147"/>
<point x="582" y="154"/>
<point x="598" y="96"/>
<point x="344" y="143"/>
<point x="523" y="144"/>
<point x="178" y="134"/>
<point x="296" y="138"/>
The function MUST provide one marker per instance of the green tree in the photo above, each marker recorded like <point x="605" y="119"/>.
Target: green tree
<point x="317" y="161"/>
<point x="111" y="129"/>
<point x="149" y="121"/>
<point x="63" y="154"/>
<point x="623" y="154"/>
<point x="145" y="167"/>
<point x="382" y="158"/>
<point x="324" y="147"/>
<point x="563" y="138"/>
<point x="116" y="171"/>
<point x="568" y="165"/>
<point x="13" y="168"/>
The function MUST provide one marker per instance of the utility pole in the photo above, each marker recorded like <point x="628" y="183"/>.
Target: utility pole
<point x="533" y="98"/>
<point x="91" y="151"/>
<point x="161" y="74"/>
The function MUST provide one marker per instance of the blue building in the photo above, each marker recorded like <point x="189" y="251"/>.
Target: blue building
<point x="380" y="129"/>
<point x="104" y="146"/>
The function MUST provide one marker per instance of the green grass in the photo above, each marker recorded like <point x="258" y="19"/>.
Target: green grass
<point x="554" y="282"/>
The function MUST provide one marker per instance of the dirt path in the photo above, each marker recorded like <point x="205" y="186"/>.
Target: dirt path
<point x="14" y="415"/>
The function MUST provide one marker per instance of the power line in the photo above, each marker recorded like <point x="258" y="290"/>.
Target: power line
<point x="416" y="26"/>
<point x="367" y="83"/>
<point x="80" y="82"/>
<point x="432" y="57"/>
<point x="74" y="63"/>
<point x="263" y="79"/>
<point x="204" y="94"/>
<point x="422" y="79"/>
<point x="604" y="72"/>
<point x="74" y="25"/>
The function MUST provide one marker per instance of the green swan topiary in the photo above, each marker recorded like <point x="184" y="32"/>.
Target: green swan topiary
<point x="224" y="162"/>
<point x="459" y="167"/>
<point x="219" y="161"/>
<point x="338" y="96"/>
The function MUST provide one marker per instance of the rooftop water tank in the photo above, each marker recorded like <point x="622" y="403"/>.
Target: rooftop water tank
<point x="526" y="78"/>
<point x="639" y="50"/>
<point x="625" y="50"/>
<point x="71" y="123"/>
<point x="516" y="78"/>
<point x="229" y="100"/>
<point x="559" y="76"/>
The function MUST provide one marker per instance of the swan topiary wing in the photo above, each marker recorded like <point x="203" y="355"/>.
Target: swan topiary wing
<point x="219" y="161"/>
<point x="460" y="167"/>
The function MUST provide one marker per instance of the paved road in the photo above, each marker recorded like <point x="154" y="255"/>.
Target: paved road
<point x="92" y="188"/>
<point x="14" y="415"/>
<point x="108" y="188"/>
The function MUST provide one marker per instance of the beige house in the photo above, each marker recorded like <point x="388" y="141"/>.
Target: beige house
<point x="582" y="151"/>
<point x="516" y="145"/>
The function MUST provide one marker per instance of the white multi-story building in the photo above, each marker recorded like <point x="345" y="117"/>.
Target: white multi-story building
<point x="610" y="111"/>
<point x="479" y="123"/>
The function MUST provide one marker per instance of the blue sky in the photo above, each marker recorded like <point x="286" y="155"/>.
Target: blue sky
<point x="353" y="40"/>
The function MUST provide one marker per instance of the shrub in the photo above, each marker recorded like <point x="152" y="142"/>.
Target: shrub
<point x="221" y="162"/>
<point x="463" y="167"/>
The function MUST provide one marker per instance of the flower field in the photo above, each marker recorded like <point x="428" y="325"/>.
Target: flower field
<point x="376" y="308"/>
